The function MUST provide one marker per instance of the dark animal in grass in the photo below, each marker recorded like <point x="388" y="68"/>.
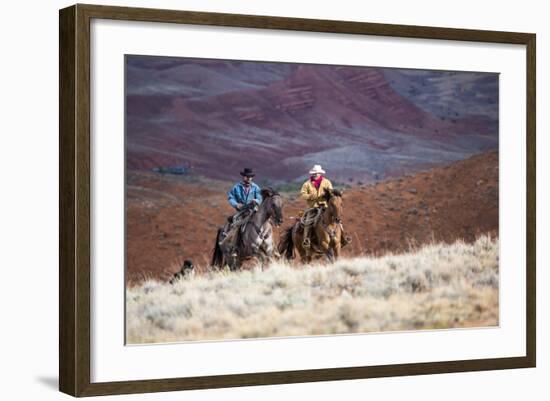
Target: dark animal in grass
<point x="187" y="269"/>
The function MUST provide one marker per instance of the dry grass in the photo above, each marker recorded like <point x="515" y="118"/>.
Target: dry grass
<point x="436" y="286"/>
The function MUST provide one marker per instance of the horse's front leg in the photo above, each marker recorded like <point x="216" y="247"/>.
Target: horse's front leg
<point x="233" y="262"/>
<point x="329" y="254"/>
<point x="267" y="251"/>
<point x="337" y="242"/>
<point x="336" y="250"/>
<point x="326" y="248"/>
<point x="303" y="255"/>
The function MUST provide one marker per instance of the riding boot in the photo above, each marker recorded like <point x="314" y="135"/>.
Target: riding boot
<point x="228" y="239"/>
<point x="344" y="239"/>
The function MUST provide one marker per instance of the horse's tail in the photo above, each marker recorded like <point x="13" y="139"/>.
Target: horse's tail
<point x="217" y="254"/>
<point x="286" y="247"/>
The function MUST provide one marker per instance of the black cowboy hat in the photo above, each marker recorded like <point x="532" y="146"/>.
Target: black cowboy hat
<point x="247" y="172"/>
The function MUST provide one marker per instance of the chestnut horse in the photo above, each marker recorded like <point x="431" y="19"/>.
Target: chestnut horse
<point x="326" y="233"/>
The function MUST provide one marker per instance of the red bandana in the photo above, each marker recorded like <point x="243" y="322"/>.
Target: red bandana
<point x="316" y="182"/>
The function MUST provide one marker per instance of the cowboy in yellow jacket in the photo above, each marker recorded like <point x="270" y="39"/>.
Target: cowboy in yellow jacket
<point x="313" y="189"/>
<point x="312" y="192"/>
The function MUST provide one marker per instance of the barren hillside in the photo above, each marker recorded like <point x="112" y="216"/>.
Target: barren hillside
<point x="367" y="123"/>
<point x="172" y="218"/>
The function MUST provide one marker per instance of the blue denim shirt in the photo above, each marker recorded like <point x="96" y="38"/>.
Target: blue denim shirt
<point x="237" y="195"/>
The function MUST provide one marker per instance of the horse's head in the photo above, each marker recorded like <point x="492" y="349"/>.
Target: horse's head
<point x="333" y="197"/>
<point x="274" y="204"/>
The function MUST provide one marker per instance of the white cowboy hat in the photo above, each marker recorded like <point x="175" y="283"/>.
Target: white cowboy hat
<point x="317" y="169"/>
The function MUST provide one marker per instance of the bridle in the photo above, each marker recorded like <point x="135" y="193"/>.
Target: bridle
<point x="331" y="232"/>
<point x="333" y="208"/>
<point x="269" y="212"/>
<point x="272" y="208"/>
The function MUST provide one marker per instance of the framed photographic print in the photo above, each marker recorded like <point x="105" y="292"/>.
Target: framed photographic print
<point x="250" y="200"/>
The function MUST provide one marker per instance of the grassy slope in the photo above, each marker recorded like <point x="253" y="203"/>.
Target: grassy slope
<point x="437" y="286"/>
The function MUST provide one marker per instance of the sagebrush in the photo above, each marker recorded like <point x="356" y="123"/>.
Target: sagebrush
<point x="436" y="286"/>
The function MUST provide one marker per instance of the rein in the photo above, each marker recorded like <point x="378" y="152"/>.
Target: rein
<point x="258" y="229"/>
<point x="331" y="232"/>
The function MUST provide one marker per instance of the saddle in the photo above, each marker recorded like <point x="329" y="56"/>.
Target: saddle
<point x="308" y="220"/>
<point x="237" y="224"/>
<point x="244" y="215"/>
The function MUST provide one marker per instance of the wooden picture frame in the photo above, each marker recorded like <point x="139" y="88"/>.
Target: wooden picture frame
<point x="75" y="208"/>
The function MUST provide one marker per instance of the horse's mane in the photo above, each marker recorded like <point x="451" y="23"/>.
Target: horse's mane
<point x="329" y="193"/>
<point x="268" y="192"/>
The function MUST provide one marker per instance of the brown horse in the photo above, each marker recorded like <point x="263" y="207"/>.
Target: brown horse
<point x="326" y="233"/>
<point x="255" y="237"/>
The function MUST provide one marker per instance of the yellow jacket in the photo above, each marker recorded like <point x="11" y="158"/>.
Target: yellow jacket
<point x="314" y="196"/>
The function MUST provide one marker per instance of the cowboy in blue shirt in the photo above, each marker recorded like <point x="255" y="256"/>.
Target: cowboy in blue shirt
<point x="244" y="197"/>
<point x="244" y="192"/>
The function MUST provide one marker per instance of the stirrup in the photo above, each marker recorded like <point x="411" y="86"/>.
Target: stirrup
<point x="306" y="243"/>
